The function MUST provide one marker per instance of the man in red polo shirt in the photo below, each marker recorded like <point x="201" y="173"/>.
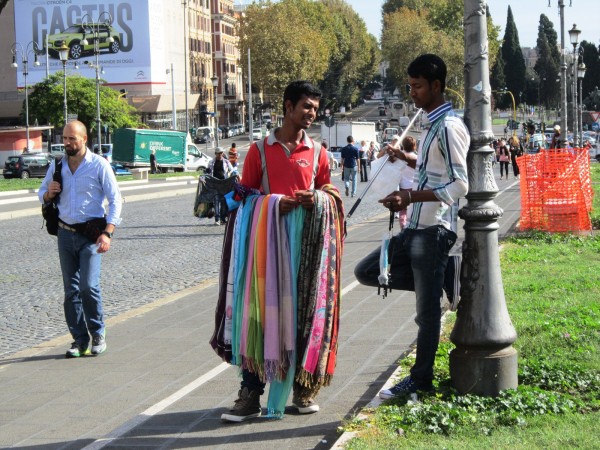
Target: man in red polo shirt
<point x="291" y="164"/>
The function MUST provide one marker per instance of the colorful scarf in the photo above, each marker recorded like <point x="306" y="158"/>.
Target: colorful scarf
<point x="283" y="299"/>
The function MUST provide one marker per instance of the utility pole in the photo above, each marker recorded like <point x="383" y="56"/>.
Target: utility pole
<point x="484" y="361"/>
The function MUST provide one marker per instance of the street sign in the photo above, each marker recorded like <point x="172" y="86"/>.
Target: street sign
<point x="71" y="117"/>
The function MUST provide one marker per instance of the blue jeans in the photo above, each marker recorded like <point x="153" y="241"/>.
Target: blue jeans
<point x="418" y="262"/>
<point x="350" y="176"/>
<point x="220" y="208"/>
<point x="80" y="265"/>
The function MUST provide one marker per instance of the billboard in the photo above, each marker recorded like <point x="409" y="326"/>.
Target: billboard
<point x="123" y="30"/>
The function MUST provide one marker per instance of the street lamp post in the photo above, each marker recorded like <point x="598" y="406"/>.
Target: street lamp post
<point x="30" y="49"/>
<point x="95" y="27"/>
<point x="581" y="69"/>
<point x="63" y="53"/>
<point x="215" y="82"/>
<point x="170" y="71"/>
<point x="484" y="361"/>
<point x="574" y="37"/>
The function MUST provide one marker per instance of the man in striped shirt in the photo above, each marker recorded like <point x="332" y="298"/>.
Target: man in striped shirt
<point x="419" y="255"/>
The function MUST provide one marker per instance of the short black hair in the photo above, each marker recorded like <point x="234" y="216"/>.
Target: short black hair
<point x="350" y="139"/>
<point x="296" y="89"/>
<point x="429" y="66"/>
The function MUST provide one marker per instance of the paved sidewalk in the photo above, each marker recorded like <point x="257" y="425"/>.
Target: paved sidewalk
<point x="160" y="385"/>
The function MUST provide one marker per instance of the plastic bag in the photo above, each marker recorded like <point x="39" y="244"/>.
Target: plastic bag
<point x="389" y="178"/>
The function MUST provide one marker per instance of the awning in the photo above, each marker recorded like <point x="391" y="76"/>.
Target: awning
<point x="151" y="104"/>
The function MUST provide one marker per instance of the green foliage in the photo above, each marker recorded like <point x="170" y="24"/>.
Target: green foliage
<point x="551" y="286"/>
<point x="514" y="63"/>
<point x="413" y="27"/>
<point x="548" y="64"/>
<point x="591" y="59"/>
<point x="46" y="103"/>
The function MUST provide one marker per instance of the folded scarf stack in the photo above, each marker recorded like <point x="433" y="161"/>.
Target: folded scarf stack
<point x="279" y="298"/>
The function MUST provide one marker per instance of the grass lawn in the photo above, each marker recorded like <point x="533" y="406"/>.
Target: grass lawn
<point x="552" y="286"/>
<point x="16" y="184"/>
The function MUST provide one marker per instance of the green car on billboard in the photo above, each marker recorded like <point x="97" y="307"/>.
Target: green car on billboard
<point x="80" y="39"/>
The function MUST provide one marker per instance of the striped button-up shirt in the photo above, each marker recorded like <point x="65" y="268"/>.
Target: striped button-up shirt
<point x="442" y="168"/>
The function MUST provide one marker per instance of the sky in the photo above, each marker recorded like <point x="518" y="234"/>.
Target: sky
<point x="585" y="13"/>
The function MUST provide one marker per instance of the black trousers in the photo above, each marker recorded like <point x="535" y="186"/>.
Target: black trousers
<point x="363" y="170"/>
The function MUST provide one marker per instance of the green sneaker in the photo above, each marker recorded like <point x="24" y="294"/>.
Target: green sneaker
<point x="77" y="350"/>
<point x="98" y="344"/>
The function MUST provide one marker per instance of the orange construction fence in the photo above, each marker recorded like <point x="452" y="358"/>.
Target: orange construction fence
<point x="556" y="190"/>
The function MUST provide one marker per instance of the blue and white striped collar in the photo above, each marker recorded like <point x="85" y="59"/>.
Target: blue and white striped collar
<point x="439" y="111"/>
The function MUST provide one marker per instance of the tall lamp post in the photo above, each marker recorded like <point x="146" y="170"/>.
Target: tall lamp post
<point x="215" y="82"/>
<point x="484" y="361"/>
<point x="170" y="71"/>
<point x="574" y="37"/>
<point x="30" y="49"/>
<point x="581" y="69"/>
<point x="95" y="27"/>
<point x="63" y="54"/>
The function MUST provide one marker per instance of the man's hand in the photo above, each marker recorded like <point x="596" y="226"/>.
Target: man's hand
<point x="396" y="201"/>
<point x="306" y="199"/>
<point x="287" y="204"/>
<point x="103" y="243"/>
<point x="53" y="189"/>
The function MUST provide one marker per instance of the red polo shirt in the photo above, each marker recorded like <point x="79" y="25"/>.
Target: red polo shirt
<point x="288" y="172"/>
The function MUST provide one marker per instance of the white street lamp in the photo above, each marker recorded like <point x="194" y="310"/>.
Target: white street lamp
<point x="30" y="49"/>
<point x="170" y="71"/>
<point x="94" y="26"/>
<point x="215" y="82"/>
<point x="581" y="69"/>
<point x="63" y="54"/>
<point x="574" y="38"/>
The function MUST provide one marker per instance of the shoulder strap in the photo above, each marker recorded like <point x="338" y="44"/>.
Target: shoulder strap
<point x="263" y="165"/>
<point x="317" y="147"/>
<point x="57" y="176"/>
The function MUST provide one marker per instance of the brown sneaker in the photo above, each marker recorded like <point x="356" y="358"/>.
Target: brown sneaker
<point x="247" y="406"/>
<point x="305" y="406"/>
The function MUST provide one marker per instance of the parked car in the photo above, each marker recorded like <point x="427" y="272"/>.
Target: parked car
<point x="106" y="151"/>
<point x="204" y="135"/>
<point x="80" y="39"/>
<point x="57" y="151"/>
<point x="256" y="133"/>
<point x="27" y="165"/>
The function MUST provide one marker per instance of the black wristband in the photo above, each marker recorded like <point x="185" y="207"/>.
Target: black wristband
<point x="107" y="234"/>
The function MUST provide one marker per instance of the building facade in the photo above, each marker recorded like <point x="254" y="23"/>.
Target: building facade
<point x="196" y="38"/>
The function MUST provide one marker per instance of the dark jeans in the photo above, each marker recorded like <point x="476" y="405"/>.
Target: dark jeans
<point x="419" y="259"/>
<point x="363" y="170"/>
<point x="503" y="168"/>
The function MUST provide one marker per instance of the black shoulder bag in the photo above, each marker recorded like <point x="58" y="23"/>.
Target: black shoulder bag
<point x="50" y="208"/>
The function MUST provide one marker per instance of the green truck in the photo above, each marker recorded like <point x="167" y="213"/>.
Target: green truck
<point x="173" y="149"/>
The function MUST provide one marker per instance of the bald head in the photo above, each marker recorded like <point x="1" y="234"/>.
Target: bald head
<point x="75" y="138"/>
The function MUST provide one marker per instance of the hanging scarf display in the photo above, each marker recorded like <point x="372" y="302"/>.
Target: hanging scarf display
<point x="278" y="309"/>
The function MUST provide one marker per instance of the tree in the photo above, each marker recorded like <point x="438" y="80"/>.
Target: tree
<point x="429" y="26"/>
<point x="46" y="103"/>
<point x="547" y="28"/>
<point x="325" y="42"/>
<point x="514" y="63"/>
<point x="546" y="66"/>
<point x="285" y="45"/>
<point x="498" y="83"/>
<point x="591" y="59"/>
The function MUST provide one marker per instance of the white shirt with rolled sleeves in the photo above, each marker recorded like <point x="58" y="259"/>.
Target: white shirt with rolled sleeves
<point x="83" y="192"/>
<point x="442" y="168"/>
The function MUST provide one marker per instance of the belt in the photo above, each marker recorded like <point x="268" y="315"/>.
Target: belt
<point x="64" y="226"/>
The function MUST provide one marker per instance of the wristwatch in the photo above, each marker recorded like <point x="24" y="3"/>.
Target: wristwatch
<point x="107" y="234"/>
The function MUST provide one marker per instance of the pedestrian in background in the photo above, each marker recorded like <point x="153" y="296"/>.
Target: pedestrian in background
<point x="350" y="165"/>
<point x="363" y="158"/>
<point x="233" y="155"/>
<point x="153" y="161"/>
<point x="419" y="255"/>
<point x="516" y="150"/>
<point x="221" y="169"/>
<point x="503" y="158"/>
<point x="87" y="181"/>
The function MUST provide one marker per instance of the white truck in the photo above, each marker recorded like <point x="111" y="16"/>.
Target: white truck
<point x="336" y="136"/>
